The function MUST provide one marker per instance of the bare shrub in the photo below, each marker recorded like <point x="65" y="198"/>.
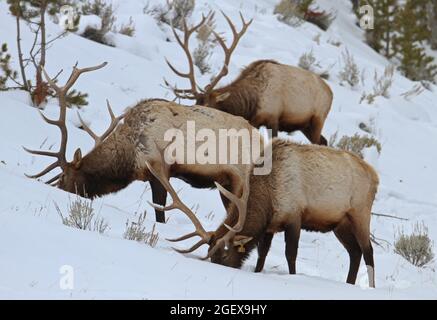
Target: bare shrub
<point x="350" y="72"/>
<point x="321" y="19"/>
<point x="203" y="50"/>
<point x="355" y="144"/>
<point x="381" y="87"/>
<point x="81" y="216"/>
<point x="173" y="12"/>
<point x="417" y="248"/>
<point x="137" y="231"/>
<point x="106" y="13"/>
<point x="295" y="13"/>
<point x="309" y="62"/>
<point x="127" y="29"/>
<point x="383" y="84"/>
<point x="413" y="92"/>
<point x="289" y="13"/>
<point x="200" y="58"/>
<point x="181" y="9"/>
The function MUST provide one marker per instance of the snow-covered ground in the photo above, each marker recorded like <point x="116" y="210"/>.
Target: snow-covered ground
<point x="35" y="245"/>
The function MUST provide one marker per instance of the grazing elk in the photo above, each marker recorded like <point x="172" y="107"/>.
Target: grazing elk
<point x="314" y="188"/>
<point x="266" y="93"/>
<point x="120" y="154"/>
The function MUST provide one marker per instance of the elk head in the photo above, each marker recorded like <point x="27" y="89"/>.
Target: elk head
<point x="208" y="96"/>
<point x="218" y="244"/>
<point x="235" y="254"/>
<point x="72" y="178"/>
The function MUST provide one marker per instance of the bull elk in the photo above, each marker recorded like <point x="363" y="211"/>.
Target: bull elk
<point x="120" y="154"/>
<point x="266" y="93"/>
<point x="310" y="187"/>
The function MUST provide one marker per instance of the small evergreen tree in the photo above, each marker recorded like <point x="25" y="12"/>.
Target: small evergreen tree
<point x="380" y="38"/>
<point x="432" y="23"/>
<point x="415" y="64"/>
<point x="6" y="71"/>
<point x="420" y="8"/>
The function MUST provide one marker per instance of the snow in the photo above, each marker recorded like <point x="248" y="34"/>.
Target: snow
<point x="35" y="245"/>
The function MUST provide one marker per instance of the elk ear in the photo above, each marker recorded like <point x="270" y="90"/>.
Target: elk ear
<point x="222" y="97"/>
<point x="240" y="241"/>
<point x="77" y="159"/>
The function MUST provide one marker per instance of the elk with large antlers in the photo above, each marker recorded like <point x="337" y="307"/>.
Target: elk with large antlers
<point x="120" y="154"/>
<point x="310" y="187"/>
<point x="266" y="93"/>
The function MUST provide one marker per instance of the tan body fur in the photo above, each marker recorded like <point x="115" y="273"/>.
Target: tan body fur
<point x="313" y="188"/>
<point x="318" y="186"/>
<point x="121" y="158"/>
<point x="278" y="96"/>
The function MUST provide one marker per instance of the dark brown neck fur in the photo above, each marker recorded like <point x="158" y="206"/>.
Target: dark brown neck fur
<point x="243" y="99"/>
<point x="109" y="167"/>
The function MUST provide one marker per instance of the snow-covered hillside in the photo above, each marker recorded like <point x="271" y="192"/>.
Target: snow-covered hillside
<point x="34" y="244"/>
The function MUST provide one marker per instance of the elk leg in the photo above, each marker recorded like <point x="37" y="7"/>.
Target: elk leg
<point x="368" y="258"/>
<point x="323" y="141"/>
<point x="362" y="234"/>
<point x="274" y="126"/>
<point x="313" y="132"/>
<point x="292" y="235"/>
<point x="159" y="196"/>
<point x="345" y="235"/>
<point x="367" y="249"/>
<point x="263" y="248"/>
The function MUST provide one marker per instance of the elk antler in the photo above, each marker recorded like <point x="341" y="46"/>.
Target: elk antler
<point x="228" y="50"/>
<point x="114" y="122"/>
<point x="187" y="93"/>
<point x="241" y="205"/>
<point x="61" y="93"/>
<point x="178" y="204"/>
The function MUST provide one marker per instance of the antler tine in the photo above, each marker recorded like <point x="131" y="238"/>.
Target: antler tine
<point x="185" y="47"/>
<point x="77" y="72"/>
<point x="42" y="153"/>
<point x="180" y="93"/>
<point x="228" y="50"/>
<point x="50" y="81"/>
<point x="245" y="24"/>
<point x="87" y="129"/>
<point x="178" y="204"/>
<point x="45" y="171"/>
<point x="192" y="248"/>
<point x="184" y="237"/>
<point x="241" y="204"/>
<point x="61" y="93"/>
<point x="114" y="122"/>
<point x="48" y="120"/>
<point x="54" y="179"/>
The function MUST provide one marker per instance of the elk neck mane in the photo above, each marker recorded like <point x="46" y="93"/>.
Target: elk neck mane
<point x="244" y="90"/>
<point x="110" y="166"/>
